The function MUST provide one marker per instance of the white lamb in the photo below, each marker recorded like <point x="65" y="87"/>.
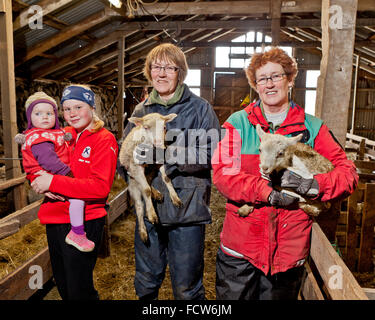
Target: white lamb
<point x="278" y="152"/>
<point x="149" y="130"/>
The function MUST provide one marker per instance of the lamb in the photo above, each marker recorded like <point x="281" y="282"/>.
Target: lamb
<point x="149" y="130"/>
<point x="278" y="152"/>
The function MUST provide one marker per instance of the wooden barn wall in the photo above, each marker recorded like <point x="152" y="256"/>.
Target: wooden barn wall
<point x="364" y="124"/>
<point x="305" y="61"/>
<point x="204" y="60"/>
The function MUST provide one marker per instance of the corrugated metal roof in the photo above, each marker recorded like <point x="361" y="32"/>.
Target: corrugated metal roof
<point x="30" y="37"/>
<point x="81" y="11"/>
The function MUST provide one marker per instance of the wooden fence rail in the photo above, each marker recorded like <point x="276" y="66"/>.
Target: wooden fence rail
<point x="16" y="286"/>
<point x="338" y="282"/>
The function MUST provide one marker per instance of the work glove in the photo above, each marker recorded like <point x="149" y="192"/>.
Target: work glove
<point x="148" y="154"/>
<point x="304" y="187"/>
<point x="280" y="199"/>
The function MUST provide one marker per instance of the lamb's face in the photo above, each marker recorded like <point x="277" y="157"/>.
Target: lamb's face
<point x="271" y="152"/>
<point x="152" y="128"/>
<point x="272" y="155"/>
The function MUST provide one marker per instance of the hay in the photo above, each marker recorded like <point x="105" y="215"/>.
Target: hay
<point x="114" y="275"/>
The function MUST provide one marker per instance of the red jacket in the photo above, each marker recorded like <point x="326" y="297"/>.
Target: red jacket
<point x="93" y="163"/>
<point x="272" y="239"/>
<point x="35" y="136"/>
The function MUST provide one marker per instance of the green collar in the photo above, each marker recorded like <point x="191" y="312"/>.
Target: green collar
<point x="155" y="98"/>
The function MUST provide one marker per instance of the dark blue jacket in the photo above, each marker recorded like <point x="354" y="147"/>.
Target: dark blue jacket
<point x="196" y="129"/>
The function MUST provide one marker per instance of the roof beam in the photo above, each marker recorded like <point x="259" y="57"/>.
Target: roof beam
<point x="236" y="7"/>
<point x="67" y="33"/>
<point x="229" y="24"/>
<point x="47" y="7"/>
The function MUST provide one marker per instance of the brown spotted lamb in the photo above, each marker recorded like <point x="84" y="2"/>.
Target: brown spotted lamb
<point x="149" y="130"/>
<point x="278" y="152"/>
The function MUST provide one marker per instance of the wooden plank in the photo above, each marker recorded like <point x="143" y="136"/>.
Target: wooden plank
<point x="365" y="263"/>
<point x="370" y="292"/>
<point x="362" y="164"/>
<point x="24" y="215"/>
<point x="329" y="264"/>
<point x="120" y="87"/>
<point x="351" y="234"/>
<point x="12" y="182"/>
<point x="275" y="24"/>
<point x="118" y="206"/>
<point x="9" y="228"/>
<point x="16" y="285"/>
<point x="8" y="102"/>
<point x="334" y="82"/>
<point x="2" y="6"/>
<point x="310" y="289"/>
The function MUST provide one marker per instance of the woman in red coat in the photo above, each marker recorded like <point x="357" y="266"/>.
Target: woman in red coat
<point x="261" y="256"/>
<point x="93" y="163"/>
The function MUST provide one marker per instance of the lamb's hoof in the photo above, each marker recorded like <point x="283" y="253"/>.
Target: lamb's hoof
<point x="144" y="236"/>
<point x="156" y="194"/>
<point x="245" y="210"/>
<point x="177" y="202"/>
<point x="152" y="217"/>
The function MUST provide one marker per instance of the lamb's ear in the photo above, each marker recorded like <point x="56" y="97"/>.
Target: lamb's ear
<point x="294" y="140"/>
<point x="260" y="131"/>
<point x="170" y="117"/>
<point x="136" y="121"/>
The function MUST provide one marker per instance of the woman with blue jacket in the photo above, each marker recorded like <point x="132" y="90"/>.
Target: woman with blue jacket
<point x="178" y="238"/>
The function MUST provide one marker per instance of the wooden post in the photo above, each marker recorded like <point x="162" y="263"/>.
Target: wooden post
<point x="121" y="86"/>
<point x="351" y="224"/>
<point x="365" y="263"/>
<point x="334" y="83"/>
<point x="8" y="101"/>
<point x="275" y="24"/>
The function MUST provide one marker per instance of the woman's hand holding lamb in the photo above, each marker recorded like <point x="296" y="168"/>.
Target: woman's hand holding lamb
<point x="281" y="199"/>
<point x="307" y="187"/>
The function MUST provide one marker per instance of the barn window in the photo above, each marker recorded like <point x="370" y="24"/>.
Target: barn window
<point x="310" y="95"/>
<point x="235" y="57"/>
<point x="193" y="81"/>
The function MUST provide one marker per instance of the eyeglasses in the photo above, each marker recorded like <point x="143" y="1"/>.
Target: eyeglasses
<point x="167" y="69"/>
<point x="273" y="78"/>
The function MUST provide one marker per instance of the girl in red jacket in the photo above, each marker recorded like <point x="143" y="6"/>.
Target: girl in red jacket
<point x="46" y="149"/>
<point x="93" y="163"/>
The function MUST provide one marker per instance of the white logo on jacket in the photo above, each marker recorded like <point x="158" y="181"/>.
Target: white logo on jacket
<point x="86" y="152"/>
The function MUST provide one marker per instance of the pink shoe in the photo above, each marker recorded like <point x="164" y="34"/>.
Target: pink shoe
<point x="79" y="241"/>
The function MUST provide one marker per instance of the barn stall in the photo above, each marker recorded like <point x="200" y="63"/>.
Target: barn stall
<point x="95" y="42"/>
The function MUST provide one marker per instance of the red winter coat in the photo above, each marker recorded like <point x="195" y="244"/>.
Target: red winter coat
<point x="35" y="136"/>
<point x="93" y="163"/>
<point x="272" y="239"/>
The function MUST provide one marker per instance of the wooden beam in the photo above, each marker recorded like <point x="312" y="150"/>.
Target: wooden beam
<point x="66" y="34"/>
<point x="334" y="82"/>
<point x="236" y="7"/>
<point x="12" y="182"/>
<point x="330" y="265"/>
<point x="229" y="24"/>
<point x="16" y="285"/>
<point x="120" y="87"/>
<point x="8" y="101"/>
<point x="275" y="25"/>
<point x="365" y="263"/>
<point x="78" y="54"/>
<point x="47" y="7"/>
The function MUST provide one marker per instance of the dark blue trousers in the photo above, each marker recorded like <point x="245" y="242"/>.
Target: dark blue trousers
<point x="180" y="246"/>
